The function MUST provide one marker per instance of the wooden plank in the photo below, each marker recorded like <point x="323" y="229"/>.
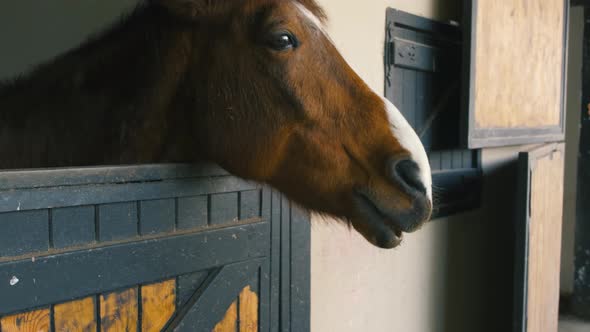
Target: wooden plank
<point x="250" y="204"/>
<point x="56" y="278"/>
<point x="581" y="298"/>
<point x="409" y="87"/>
<point x="33" y="321"/>
<point x="75" y="316"/>
<point x="158" y="303"/>
<point x="522" y="42"/>
<point x="119" y="311"/>
<point x="421" y="108"/>
<point x="23" y="232"/>
<point x="468" y="159"/>
<point x="435" y="160"/>
<point x="248" y="304"/>
<point x="73" y="226"/>
<point x="230" y="320"/>
<point x="286" y="254"/>
<point x="157" y="216"/>
<point x="545" y="243"/>
<point x="300" y="278"/>
<point x="276" y="276"/>
<point x="117" y="221"/>
<point x="53" y="197"/>
<point x="223" y="209"/>
<point x="58" y="177"/>
<point x="192" y="212"/>
<point x="446" y="160"/>
<point x="457" y="159"/>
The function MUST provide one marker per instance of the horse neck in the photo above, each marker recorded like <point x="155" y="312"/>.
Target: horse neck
<point x="109" y="101"/>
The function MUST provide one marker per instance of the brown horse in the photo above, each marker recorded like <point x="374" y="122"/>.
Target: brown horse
<point x="253" y="85"/>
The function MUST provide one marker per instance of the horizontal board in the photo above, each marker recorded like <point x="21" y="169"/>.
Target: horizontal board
<point x="42" y="198"/>
<point x="480" y="138"/>
<point x="62" y="277"/>
<point x="33" y="321"/>
<point x="59" y="177"/>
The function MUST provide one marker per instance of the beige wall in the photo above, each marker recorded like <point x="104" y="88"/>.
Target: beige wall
<point x="453" y="275"/>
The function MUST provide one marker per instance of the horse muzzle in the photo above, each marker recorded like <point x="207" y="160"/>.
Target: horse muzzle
<point x="384" y="226"/>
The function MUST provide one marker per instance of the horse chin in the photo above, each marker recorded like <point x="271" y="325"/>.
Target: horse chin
<point x="379" y="233"/>
<point x="384" y="228"/>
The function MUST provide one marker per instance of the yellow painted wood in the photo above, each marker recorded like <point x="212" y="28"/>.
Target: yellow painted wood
<point x="545" y="244"/>
<point x="230" y="321"/>
<point x="118" y="311"/>
<point x="158" y="303"/>
<point x="519" y="63"/>
<point x="248" y="310"/>
<point x="76" y="316"/>
<point x="32" y="321"/>
<point x="247" y="304"/>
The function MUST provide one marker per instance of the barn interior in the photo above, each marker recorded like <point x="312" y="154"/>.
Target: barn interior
<point x="460" y="271"/>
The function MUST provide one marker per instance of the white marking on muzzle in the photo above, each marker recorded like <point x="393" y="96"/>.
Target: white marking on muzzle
<point x="408" y="139"/>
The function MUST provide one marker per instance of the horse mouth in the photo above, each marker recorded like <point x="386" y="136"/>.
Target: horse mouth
<point x="382" y="230"/>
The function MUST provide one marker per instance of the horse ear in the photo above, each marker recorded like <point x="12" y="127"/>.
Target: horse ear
<point x="197" y="8"/>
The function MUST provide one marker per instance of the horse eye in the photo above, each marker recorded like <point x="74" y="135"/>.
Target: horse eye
<point x="283" y="41"/>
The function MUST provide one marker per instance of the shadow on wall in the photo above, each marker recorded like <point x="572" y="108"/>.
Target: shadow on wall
<point x="479" y="275"/>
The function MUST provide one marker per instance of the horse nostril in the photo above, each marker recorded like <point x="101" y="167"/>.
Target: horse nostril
<point x="407" y="173"/>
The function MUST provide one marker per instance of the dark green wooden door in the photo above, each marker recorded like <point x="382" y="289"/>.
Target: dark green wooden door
<point x="149" y="248"/>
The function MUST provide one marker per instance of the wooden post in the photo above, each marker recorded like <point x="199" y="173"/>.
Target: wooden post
<point x="581" y="296"/>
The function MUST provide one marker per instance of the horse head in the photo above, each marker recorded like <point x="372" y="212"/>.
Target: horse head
<point x="283" y="107"/>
